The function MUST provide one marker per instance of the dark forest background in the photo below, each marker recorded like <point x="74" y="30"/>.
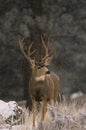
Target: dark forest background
<point x="64" y="22"/>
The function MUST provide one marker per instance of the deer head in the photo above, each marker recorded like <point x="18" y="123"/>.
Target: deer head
<point x="39" y="68"/>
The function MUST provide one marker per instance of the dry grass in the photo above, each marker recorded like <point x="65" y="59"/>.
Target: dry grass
<point x="64" y="116"/>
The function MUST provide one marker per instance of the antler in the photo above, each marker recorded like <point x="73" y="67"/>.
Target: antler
<point x="45" y="47"/>
<point x="48" y="56"/>
<point x="29" y="53"/>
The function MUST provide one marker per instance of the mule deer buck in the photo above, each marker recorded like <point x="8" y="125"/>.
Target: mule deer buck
<point x="44" y="84"/>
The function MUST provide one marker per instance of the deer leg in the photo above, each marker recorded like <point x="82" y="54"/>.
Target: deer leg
<point x="34" y="110"/>
<point x="44" y="108"/>
<point x="52" y="102"/>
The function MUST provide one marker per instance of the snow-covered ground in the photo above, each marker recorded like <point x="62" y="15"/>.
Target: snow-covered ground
<point x="64" y="116"/>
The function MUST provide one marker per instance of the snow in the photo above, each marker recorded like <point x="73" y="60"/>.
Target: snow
<point x="8" y="109"/>
<point x="76" y="95"/>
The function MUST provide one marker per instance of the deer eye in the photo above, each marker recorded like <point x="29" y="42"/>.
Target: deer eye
<point x="38" y="67"/>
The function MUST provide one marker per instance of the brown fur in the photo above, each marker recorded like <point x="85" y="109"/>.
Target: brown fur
<point x="44" y="84"/>
<point x="43" y="90"/>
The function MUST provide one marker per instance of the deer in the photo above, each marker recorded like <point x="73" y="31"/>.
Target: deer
<point x="44" y="84"/>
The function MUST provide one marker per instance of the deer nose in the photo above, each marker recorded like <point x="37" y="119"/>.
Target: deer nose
<point x="48" y="72"/>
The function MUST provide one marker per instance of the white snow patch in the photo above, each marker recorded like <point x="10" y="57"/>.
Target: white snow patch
<point x="8" y="109"/>
<point x="76" y="95"/>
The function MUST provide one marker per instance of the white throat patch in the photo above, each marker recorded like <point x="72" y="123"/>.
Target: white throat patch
<point x="40" y="78"/>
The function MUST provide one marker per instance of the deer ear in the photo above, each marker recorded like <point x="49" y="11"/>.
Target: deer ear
<point x="48" y="61"/>
<point x="32" y="64"/>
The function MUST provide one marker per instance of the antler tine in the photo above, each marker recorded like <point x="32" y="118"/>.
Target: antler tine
<point x="28" y="54"/>
<point x="45" y="47"/>
<point x="21" y="44"/>
<point x="48" y="55"/>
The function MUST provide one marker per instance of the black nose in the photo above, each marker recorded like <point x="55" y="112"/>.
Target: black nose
<point x="48" y="72"/>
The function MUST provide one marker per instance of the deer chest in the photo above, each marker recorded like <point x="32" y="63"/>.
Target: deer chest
<point x="40" y="89"/>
